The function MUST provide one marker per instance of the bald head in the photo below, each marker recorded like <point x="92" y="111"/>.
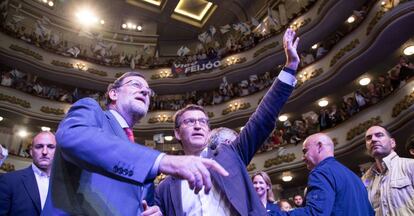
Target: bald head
<point x="316" y="148"/>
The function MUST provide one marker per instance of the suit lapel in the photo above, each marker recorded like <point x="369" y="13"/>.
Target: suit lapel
<point x="175" y="193"/>
<point x="115" y="125"/>
<point x="30" y="185"/>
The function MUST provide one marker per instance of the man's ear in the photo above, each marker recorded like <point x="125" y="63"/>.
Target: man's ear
<point x="393" y="145"/>
<point x="177" y="134"/>
<point x="113" y="94"/>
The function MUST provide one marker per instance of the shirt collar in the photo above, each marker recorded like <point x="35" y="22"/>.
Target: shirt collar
<point x="119" y="118"/>
<point x="38" y="172"/>
<point x="386" y="162"/>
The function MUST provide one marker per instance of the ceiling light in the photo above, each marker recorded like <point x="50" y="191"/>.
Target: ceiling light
<point x="241" y="128"/>
<point x="50" y="4"/>
<point x="364" y="81"/>
<point x="1" y="118"/>
<point x="287" y="177"/>
<point x="351" y="19"/>
<point x="168" y="138"/>
<point x="409" y="50"/>
<point x="124" y="26"/>
<point x="323" y="103"/>
<point x="154" y="2"/>
<point x="44" y="128"/>
<point x="22" y="133"/>
<point x="139" y="27"/>
<point x="44" y="1"/>
<point x="383" y="3"/>
<point x="179" y="9"/>
<point x="283" y="118"/>
<point x="173" y="148"/>
<point x="86" y="17"/>
<point x="315" y="46"/>
<point x="102" y="22"/>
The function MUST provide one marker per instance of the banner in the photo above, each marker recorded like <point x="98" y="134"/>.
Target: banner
<point x="196" y="66"/>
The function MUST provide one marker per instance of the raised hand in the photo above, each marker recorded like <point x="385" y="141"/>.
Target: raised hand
<point x="290" y="45"/>
<point x="193" y="169"/>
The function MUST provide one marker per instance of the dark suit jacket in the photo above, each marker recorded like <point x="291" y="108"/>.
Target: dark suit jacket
<point x="333" y="189"/>
<point x="19" y="194"/>
<point x="234" y="158"/>
<point x="272" y="209"/>
<point x="96" y="169"/>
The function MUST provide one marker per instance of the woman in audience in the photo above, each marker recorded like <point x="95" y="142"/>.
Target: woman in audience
<point x="263" y="186"/>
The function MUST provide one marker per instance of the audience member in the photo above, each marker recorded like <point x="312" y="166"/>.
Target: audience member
<point x="298" y="201"/>
<point x="284" y="205"/>
<point x="24" y="192"/>
<point x="332" y="188"/>
<point x="219" y="136"/>
<point x="390" y="180"/>
<point x="263" y="186"/>
<point x="3" y="154"/>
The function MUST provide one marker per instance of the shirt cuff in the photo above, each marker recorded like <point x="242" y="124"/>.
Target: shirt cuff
<point x="154" y="170"/>
<point x="287" y="78"/>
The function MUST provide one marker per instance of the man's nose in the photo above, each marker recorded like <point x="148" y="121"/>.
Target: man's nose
<point x="45" y="150"/>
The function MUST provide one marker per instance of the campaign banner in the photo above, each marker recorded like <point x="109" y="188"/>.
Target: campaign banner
<point x="196" y="66"/>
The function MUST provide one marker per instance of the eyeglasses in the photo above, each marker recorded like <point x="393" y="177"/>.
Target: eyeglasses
<point x="144" y="90"/>
<point x="192" y="121"/>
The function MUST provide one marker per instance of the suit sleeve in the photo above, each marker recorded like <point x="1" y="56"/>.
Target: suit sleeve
<point x="262" y="122"/>
<point x="85" y="142"/>
<point x="5" y="196"/>
<point x="320" y="197"/>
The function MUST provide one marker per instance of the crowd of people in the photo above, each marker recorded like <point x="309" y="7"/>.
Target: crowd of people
<point x="294" y="131"/>
<point x="234" y="38"/>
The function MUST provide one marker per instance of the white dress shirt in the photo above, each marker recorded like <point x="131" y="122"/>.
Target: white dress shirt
<point x="42" y="180"/>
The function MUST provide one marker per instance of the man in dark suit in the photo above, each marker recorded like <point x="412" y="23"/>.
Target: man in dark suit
<point x="332" y="188"/>
<point x="99" y="170"/>
<point x="24" y="192"/>
<point x="232" y="195"/>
